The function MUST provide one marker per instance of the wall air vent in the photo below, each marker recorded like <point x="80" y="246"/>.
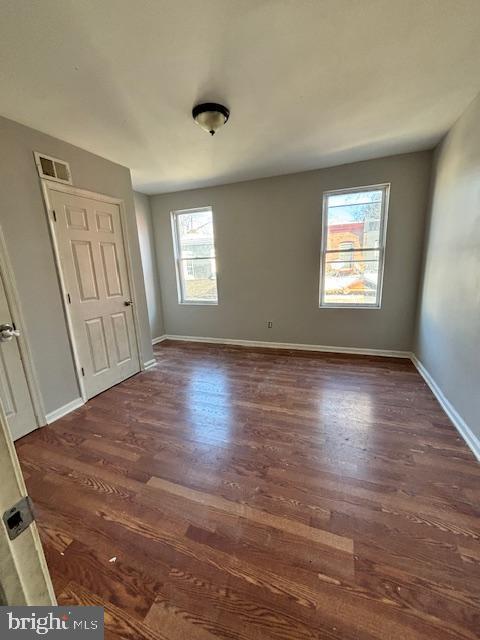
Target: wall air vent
<point x="53" y="168"/>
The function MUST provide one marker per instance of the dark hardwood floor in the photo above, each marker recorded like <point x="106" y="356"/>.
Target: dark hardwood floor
<point x="247" y="494"/>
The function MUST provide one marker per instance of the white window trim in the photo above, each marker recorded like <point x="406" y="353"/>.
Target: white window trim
<point x="385" y="186"/>
<point x="176" y="251"/>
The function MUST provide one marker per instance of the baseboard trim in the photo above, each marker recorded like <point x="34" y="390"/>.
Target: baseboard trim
<point x="461" y="426"/>
<point x="149" y="364"/>
<point x="159" y="339"/>
<point x="63" y="411"/>
<point x="292" y="346"/>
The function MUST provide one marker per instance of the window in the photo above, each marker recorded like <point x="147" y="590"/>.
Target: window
<point x="353" y="247"/>
<point x="194" y="247"/>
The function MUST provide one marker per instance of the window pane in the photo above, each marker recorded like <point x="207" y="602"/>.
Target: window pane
<point x="199" y="280"/>
<point x="195" y="231"/>
<point x="357" y="197"/>
<point x="352" y="278"/>
<point x="354" y="218"/>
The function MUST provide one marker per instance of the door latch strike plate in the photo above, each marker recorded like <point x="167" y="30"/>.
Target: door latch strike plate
<point x="19" y="517"/>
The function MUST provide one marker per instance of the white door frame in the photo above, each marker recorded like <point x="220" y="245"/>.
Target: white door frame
<point x="50" y="185"/>
<point x="13" y="300"/>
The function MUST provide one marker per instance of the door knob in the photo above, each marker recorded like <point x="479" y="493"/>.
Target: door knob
<point x="7" y="332"/>
<point x="128" y="303"/>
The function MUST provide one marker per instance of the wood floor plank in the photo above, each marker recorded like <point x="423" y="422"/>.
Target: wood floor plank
<point x="118" y="623"/>
<point x="260" y="517"/>
<point x="249" y="494"/>
<point x="177" y="623"/>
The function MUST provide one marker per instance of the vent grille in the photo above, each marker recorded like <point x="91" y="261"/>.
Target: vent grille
<point x="53" y="168"/>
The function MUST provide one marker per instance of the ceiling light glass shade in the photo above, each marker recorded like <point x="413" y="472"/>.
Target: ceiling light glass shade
<point x="210" y="116"/>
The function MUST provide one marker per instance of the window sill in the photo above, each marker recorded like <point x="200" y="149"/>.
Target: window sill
<point x="197" y="303"/>
<point x="370" y="307"/>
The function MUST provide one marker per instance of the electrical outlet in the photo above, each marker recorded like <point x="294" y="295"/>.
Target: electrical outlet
<point x="269" y="324"/>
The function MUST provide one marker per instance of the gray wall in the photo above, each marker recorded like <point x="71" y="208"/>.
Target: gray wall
<point x="23" y="219"/>
<point x="448" y="330"/>
<point x="149" y="263"/>
<point x="268" y="256"/>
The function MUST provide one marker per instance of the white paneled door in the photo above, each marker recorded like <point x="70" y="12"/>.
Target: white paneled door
<point x="14" y="392"/>
<point x="92" y="257"/>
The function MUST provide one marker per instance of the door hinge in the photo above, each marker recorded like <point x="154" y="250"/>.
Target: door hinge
<point x="19" y="517"/>
<point x="69" y="299"/>
<point x="54" y="213"/>
<point x="83" y="371"/>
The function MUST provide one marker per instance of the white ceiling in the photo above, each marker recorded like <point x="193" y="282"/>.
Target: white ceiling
<point x="310" y="83"/>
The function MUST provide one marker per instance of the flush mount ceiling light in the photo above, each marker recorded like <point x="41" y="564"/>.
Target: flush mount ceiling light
<point x="210" y="116"/>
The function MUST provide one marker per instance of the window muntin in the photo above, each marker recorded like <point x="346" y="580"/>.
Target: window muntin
<point x="194" y="245"/>
<point x="353" y="247"/>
